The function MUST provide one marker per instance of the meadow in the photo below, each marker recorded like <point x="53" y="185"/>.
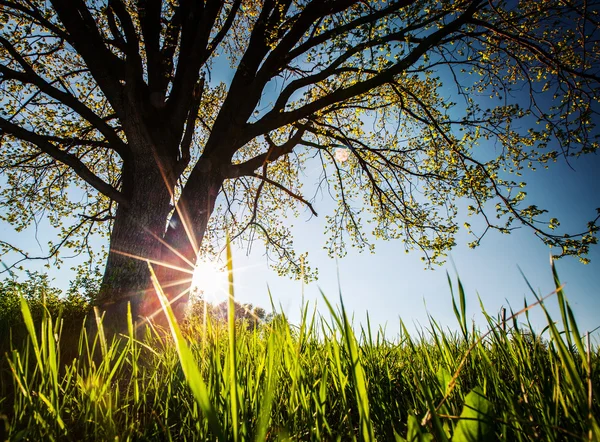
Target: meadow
<point x="324" y="379"/>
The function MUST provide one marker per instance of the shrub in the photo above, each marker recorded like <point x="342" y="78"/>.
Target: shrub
<point x="40" y="296"/>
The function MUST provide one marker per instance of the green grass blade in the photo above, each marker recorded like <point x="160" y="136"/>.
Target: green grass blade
<point x="269" y="394"/>
<point x="561" y="303"/>
<point x="188" y="362"/>
<point x="31" y="330"/>
<point x="360" y="381"/>
<point x="233" y="384"/>
<point x="100" y="335"/>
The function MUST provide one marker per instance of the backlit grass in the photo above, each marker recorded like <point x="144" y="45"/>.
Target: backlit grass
<point x="321" y="379"/>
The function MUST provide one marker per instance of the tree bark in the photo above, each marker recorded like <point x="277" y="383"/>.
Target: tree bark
<point x="135" y="238"/>
<point x="185" y="234"/>
<point x="141" y="234"/>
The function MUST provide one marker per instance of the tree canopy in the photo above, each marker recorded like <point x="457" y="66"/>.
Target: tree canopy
<point x="247" y="314"/>
<point x="164" y="124"/>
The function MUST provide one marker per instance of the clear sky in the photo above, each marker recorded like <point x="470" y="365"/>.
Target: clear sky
<point x="390" y="284"/>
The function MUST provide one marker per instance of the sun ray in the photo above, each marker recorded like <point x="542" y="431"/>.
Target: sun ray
<point x="160" y="263"/>
<point x="170" y="247"/>
<point x="182" y="212"/>
<point x="157" y="288"/>
<point x="166" y="285"/>
<point x="184" y="218"/>
<point x="151" y="316"/>
<point x="169" y="285"/>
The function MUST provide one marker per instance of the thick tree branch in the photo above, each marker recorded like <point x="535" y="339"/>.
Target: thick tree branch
<point x="106" y="68"/>
<point x="242" y="96"/>
<point x="75" y="141"/>
<point x="132" y="47"/>
<point x="190" y="127"/>
<point x="195" y="32"/>
<point x="216" y="41"/>
<point x="149" y="12"/>
<point x="167" y="52"/>
<point x="64" y="157"/>
<point x="247" y="85"/>
<point x="118" y="40"/>
<point x="275" y="118"/>
<point x="29" y="76"/>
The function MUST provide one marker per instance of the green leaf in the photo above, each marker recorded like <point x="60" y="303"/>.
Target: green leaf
<point x="398" y="438"/>
<point x="233" y="384"/>
<point x="474" y="424"/>
<point x="444" y="377"/>
<point x="415" y="432"/>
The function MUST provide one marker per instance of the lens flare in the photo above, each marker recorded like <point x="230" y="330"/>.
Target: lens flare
<point x="209" y="281"/>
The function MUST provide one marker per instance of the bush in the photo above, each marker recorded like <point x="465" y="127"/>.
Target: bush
<point x="40" y="296"/>
<point x="246" y="315"/>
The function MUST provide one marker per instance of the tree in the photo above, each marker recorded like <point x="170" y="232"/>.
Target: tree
<point x="247" y="314"/>
<point x="112" y="122"/>
<point x="68" y="310"/>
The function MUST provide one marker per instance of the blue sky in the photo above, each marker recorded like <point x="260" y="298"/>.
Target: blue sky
<point x="391" y="284"/>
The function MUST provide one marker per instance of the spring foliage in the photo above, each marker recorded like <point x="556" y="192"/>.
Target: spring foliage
<point x="403" y="108"/>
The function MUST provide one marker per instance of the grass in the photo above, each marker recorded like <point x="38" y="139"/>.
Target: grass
<point x="322" y="379"/>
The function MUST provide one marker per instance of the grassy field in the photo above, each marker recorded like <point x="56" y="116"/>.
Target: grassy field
<point x="322" y="379"/>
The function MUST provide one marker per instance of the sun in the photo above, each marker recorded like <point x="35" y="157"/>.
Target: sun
<point x="209" y="281"/>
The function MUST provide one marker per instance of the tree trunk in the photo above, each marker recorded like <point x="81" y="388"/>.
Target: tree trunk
<point x="135" y="238"/>
<point x="186" y="232"/>
<point x="140" y="233"/>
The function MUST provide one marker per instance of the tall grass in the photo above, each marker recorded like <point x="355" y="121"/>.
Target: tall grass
<point x="322" y="379"/>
